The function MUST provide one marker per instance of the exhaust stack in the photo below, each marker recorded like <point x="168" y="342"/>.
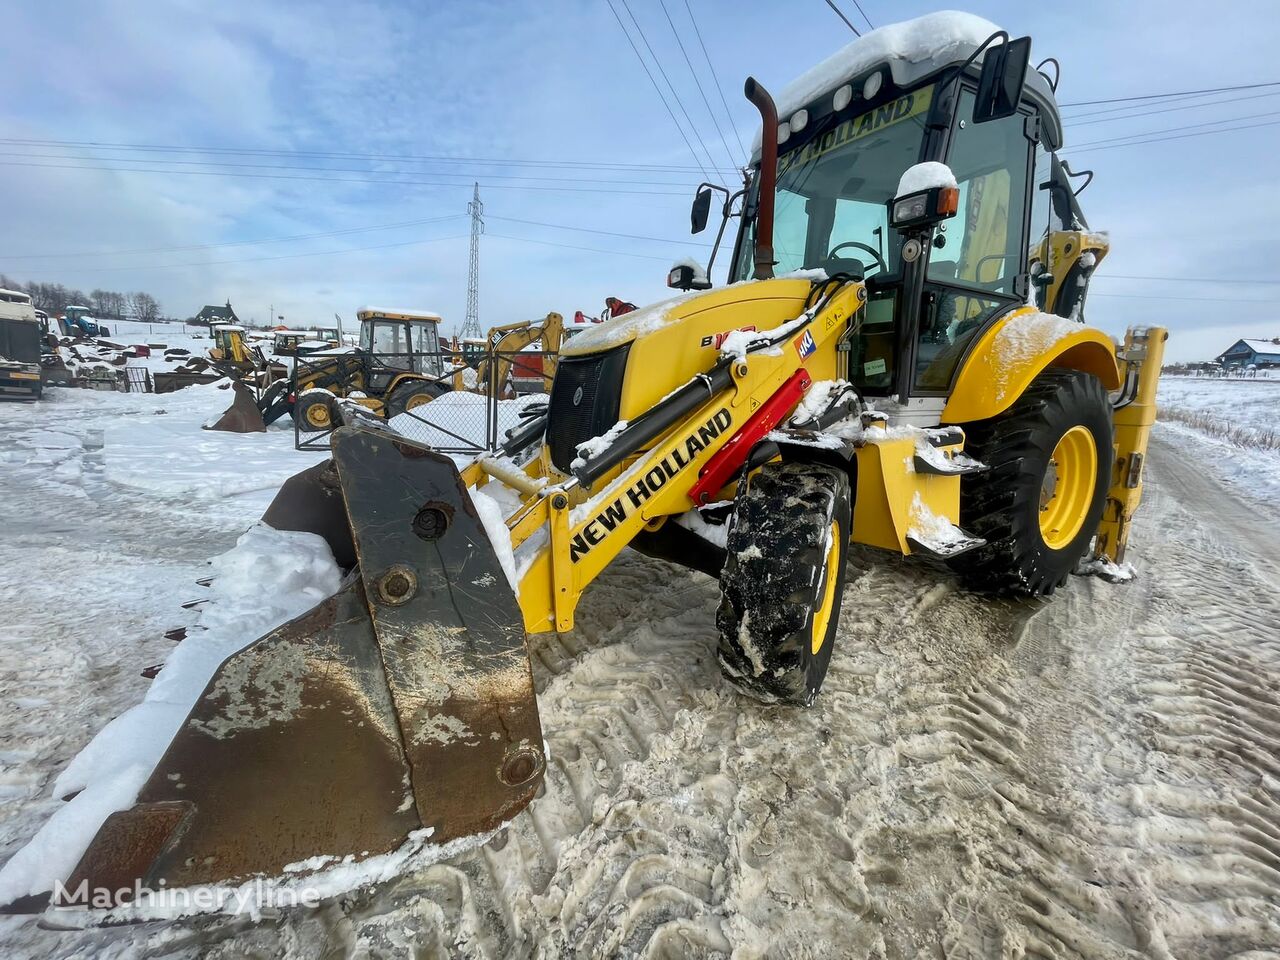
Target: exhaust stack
<point x="759" y="96"/>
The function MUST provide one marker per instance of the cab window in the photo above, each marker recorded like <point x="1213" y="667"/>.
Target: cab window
<point x="973" y="275"/>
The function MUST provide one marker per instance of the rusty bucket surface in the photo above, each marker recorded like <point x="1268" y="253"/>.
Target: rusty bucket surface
<point x="404" y="701"/>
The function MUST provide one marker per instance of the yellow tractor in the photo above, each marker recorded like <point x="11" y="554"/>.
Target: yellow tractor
<point x="398" y="366"/>
<point x="874" y="373"/>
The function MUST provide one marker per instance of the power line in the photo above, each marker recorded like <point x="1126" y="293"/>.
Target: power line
<point x="864" y="14"/>
<point x="696" y="82"/>
<point x="604" y="233"/>
<point x="714" y="76"/>
<point x="1121" y="276"/>
<point x="1187" y="126"/>
<point x="1185" y="136"/>
<point x="1162" y="96"/>
<point x="317" y="154"/>
<point x="657" y="89"/>
<point x="626" y="5"/>
<point x="287" y="256"/>
<point x="291" y="166"/>
<point x="385" y="183"/>
<point x="569" y="246"/>
<point x="1142" y="296"/>
<point x="230" y="243"/>
<point x="831" y="4"/>
<point x="1143" y="112"/>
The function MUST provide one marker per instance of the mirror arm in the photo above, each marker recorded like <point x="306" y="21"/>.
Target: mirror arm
<point x="725" y="214"/>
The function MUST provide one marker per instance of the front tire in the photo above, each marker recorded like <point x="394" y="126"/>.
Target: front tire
<point x="1039" y="503"/>
<point x="313" y="412"/>
<point x="783" y="580"/>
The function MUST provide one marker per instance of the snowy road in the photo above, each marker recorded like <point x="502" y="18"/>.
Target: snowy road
<point x="1095" y="776"/>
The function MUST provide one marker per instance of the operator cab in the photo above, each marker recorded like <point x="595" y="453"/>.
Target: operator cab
<point x="935" y="284"/>
<point x="398" y="341"/>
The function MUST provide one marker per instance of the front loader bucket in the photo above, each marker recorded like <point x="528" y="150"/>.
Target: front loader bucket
<point x="403" y="702"/>
<point x="243" y="415"/>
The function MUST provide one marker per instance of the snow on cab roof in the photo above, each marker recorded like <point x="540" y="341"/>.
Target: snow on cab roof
<point x="14" y="293"/>
<point x="913" y="49"/>
<point x="398" y="312"/>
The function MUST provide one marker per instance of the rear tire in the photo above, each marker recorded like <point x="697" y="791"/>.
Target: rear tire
<point x="783" y="580"/>
<point x="413" y="394"/>
<point x="1039" y="504"/>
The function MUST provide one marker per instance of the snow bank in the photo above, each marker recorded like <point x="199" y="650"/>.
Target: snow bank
<point x="169" y="454"/>
<point x="925" y="176"/>
<point x="268" y="578"/>
<point x="495" y="527"/>
<point x="459" y="418"/>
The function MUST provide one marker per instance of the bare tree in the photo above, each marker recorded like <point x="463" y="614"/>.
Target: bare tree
<point x="144" y="306"/>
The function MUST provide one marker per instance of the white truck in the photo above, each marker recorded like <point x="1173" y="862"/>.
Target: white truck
<point x="21" y="335"/>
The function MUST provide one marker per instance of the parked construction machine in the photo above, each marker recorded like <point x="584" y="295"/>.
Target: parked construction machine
<point x="396" y="367"/>
<point x="875" y="373"/>
<point x="21" y="345"/>
<point x="496" y="365"/>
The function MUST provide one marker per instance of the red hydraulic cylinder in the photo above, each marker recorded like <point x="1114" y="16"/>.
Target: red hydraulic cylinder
<point x="713" y="477"/>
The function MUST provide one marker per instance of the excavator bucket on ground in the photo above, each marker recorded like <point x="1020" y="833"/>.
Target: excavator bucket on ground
<point x="243" y="416"/>
<point x="398" y="705"/>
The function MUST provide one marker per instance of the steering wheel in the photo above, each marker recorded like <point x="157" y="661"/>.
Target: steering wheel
<point x="884" y="267"/>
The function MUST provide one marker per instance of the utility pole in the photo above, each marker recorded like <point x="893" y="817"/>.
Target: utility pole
<point x="471" y="325"/>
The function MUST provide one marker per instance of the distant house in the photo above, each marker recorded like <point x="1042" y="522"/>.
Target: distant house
<point x="1251" y="353"/>
<point x="211" y="314"/>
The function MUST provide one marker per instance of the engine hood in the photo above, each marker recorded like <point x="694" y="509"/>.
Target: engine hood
<point x="782" y="299"/>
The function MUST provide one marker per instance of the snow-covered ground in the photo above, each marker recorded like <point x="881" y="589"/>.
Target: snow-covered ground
<point x="1091" y="776"/>
<point x="1239" y="437"/>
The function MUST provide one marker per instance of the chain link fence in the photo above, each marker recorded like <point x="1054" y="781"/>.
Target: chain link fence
<point x="457" y="402"/>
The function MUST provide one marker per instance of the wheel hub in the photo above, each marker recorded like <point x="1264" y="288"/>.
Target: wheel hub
<point x="1066" y="491"/>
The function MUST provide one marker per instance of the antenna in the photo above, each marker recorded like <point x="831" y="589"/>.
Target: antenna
<point x="471" y="325"/>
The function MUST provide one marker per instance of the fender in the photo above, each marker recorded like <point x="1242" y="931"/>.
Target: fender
<point x="1014" y="350"/>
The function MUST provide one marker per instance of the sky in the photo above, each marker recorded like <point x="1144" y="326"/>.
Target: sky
<point x="312" y="158"/>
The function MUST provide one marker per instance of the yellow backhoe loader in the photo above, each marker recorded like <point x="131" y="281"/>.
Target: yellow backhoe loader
<point x="874" y="373"/>
<point x="495" y="364"/>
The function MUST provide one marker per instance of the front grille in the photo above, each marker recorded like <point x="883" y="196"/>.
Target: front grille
<point x="599" y="377"/>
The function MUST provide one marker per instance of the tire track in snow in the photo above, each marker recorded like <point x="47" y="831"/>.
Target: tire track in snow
<point x="1091" y="777"/>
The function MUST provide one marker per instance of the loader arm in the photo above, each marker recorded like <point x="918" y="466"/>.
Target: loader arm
<point x="656" y="467"/>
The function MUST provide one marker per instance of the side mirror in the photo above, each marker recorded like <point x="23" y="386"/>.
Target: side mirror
<point x="1004" y="70"/>
<point x="701" y="211"/>
<point x="688" y="275"/>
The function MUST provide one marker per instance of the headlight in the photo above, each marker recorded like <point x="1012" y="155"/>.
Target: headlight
<point x="784" y="131"/>
<point x="871" y="86"/>
<point x="843" y="97"/>
<point x="799" y="120"/>
<point x="910" y="208"/>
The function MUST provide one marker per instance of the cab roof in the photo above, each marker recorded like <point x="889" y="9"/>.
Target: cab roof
<point x="423" y="316"/>
<point x="912" y="50"/>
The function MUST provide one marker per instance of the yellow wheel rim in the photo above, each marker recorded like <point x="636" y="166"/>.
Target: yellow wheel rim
<point x="1067" y="489"/>
<point x="417" y="400"/>
<point x="318" y="415"/>
<point x="822" y="613"/>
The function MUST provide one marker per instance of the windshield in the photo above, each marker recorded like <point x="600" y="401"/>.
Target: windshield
<point x="834" y="189"/>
